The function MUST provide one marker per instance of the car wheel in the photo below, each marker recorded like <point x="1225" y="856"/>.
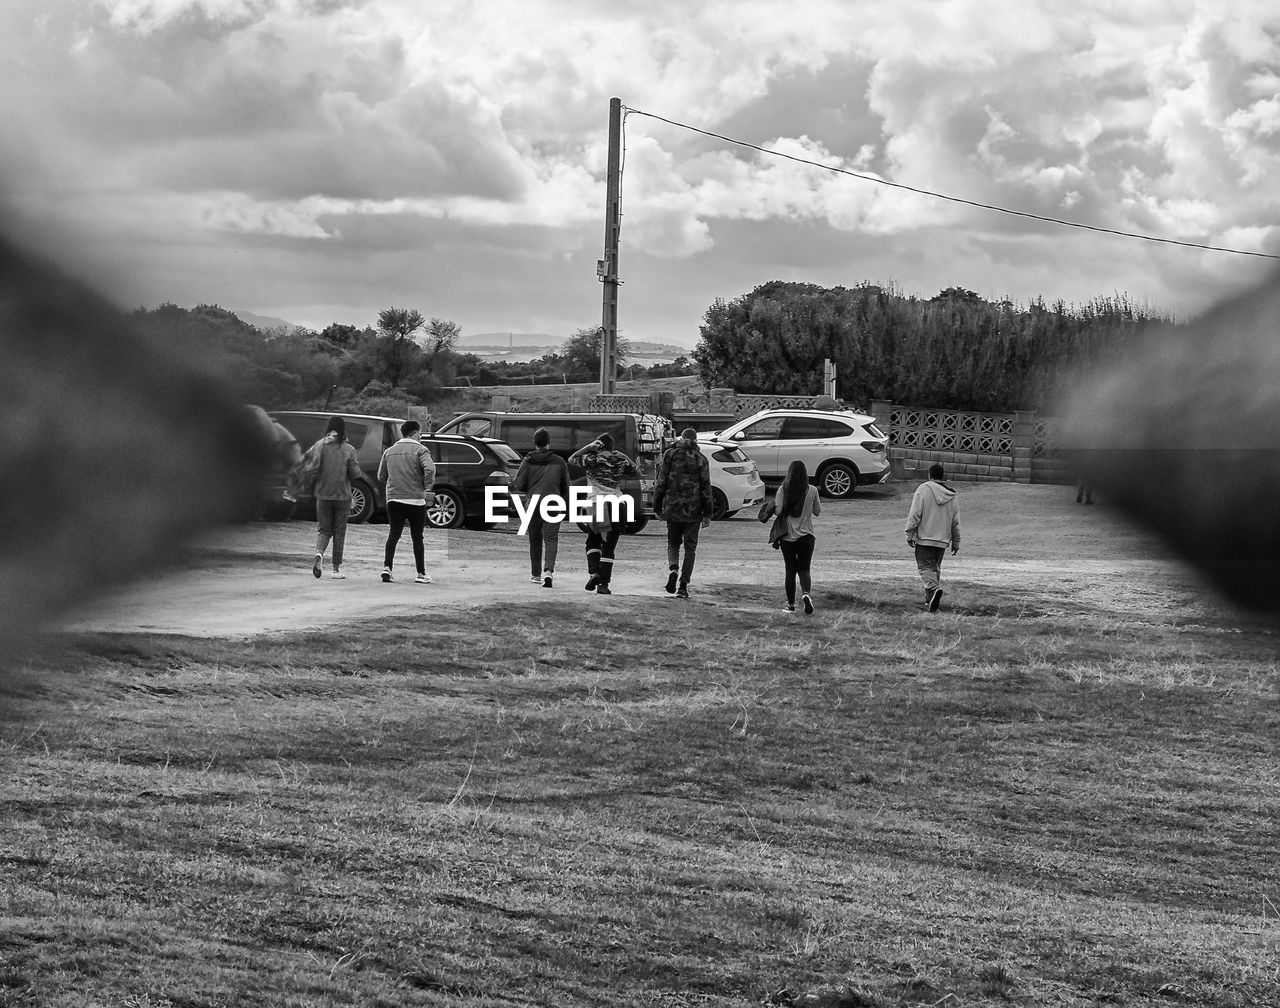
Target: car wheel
<point x="362" y="502"/>
<point x="719" y="504"/>
<point x="447" y="512"/>
<point x="635" y="527"/>
<point x="838" y="480"/>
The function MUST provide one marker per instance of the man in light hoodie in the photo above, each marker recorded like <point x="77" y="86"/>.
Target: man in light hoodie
<point x="933" y="524"/>
<point x="410" y="471"/>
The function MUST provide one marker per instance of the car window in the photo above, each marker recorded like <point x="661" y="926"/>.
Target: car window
<point x="767" y="429"/>
<point x="475" y="427"/>
<point x="390" y="433"/>
<point x="795" y="428"/>
<point x="453" y="452"/>
<point x="356" y="434"/>
<point x="519" y="434"/>
<point x="307" y="429"/>
<point x="824" y="428"/>
<point x="504" y="451"/>
<point x="873" y="430"/>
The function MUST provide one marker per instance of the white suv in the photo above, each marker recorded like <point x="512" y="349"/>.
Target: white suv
<point x="842" y="450"/>
<point x="735" y="479"/>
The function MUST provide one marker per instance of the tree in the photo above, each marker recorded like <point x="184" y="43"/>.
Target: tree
<point x="441" y="339"/>
<point x="580" y="353"/>
<point x="396" y="327"/>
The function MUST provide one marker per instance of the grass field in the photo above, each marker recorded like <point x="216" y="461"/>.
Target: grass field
<point x="1024" y="800"/>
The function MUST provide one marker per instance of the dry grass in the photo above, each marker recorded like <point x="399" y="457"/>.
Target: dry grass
<point x="1025" y="801"/>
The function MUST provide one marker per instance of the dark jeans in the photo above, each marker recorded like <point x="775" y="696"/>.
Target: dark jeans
<point x="416" y="517"/>
<point x="797" y="556"/>
<point x="331" y="523"/>
<point x="929" y="564"/>
<point x="544" y="544"/>
<point x="600" y="550"/>
<point x="686" y="534"/>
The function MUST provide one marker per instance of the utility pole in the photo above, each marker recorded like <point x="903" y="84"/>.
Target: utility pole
<point x="607" y="269"/>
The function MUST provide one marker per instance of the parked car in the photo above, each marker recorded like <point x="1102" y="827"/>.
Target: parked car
<point x="368" y="435"/>
<point x="464" y="467"/>
<point x="640" y="436"/>
<point x="735" y="478"/>
<point x="843" y="450"/>
<point x="270" y="503"/>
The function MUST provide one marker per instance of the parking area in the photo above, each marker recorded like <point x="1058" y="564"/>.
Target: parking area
<point x="255" y="579"/>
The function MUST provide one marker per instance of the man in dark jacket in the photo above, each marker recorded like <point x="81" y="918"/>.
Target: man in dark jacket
<point x="543" y="473"/>
<point x="683" y="497"/>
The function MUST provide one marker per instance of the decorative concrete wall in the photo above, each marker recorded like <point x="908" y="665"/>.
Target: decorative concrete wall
<point x="1004" y="447"/>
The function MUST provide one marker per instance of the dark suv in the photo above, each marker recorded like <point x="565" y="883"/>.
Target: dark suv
<point x="370" y="436"/>
<point x="464" y="467"/>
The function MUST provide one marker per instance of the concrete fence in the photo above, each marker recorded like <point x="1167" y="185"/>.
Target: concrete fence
<point x="1017" y="447"/>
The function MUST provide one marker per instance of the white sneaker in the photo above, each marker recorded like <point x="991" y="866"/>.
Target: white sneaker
<point x="422" y="579"/>
<point x="535" y="580"/>
<point x="337" y="575"/>
<point x="386" y="575"/>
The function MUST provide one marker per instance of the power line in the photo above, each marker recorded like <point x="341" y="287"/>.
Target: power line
<point x="952" y="199"/>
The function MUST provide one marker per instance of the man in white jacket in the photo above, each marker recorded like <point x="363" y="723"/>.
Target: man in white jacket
<point x="933" y="524"/>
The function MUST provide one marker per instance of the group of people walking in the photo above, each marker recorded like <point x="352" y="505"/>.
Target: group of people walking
<point x="682" y="498"/>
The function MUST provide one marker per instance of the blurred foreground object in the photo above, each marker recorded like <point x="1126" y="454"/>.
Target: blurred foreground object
<point x="113" y="450"/>
<point x="1184" y="435"/>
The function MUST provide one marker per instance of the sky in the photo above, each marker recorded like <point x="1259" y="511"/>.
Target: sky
<point x="320" y="160"/>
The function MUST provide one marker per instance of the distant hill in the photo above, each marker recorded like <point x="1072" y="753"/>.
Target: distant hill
<point x="264" y="322"/>
<point x="516" y="341"/>
<point x="525" y="343"/>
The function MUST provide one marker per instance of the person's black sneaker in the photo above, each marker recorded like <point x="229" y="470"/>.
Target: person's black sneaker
<point x="546" y="579"/>
<point x="592" y="582"/>
<point x="671" y="583"/>
<point x="808" y="605"/>
<point x="315" y="567"/>
<point x="603" y="590"/>
<point x="935" y="599"/>
<point x="682" y="591"/>
<point x="386" y="575"/>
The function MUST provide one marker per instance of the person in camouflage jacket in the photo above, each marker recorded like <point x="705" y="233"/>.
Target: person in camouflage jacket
<point x="683" y="498"/>
<point x="606" y="469"/>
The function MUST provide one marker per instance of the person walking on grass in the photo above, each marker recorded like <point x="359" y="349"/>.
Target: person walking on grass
<point x="543" y="473"/>
<point x="682" y="497"/>
<point x="338" y="469"/>
<point x="409" y="472"/>
<point x="606" y="469"/>
<point x="933" y="524"/>
<point x="796" y="504"/>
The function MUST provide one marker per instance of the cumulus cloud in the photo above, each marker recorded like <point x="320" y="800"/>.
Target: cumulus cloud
<point x="207" y="124"/>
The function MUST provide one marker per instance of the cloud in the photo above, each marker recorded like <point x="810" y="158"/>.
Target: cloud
<point x="220" y="128"/>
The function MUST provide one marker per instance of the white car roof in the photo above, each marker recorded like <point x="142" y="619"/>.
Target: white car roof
<point x="843" y="414"/>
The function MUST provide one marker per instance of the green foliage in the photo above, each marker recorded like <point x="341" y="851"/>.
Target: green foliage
<point x="954" y="350"/>
<point x="341" y="366"/>
<point x="581" y="351"/>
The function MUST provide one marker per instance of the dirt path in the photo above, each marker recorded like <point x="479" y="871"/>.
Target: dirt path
<point x="256" y="579"/>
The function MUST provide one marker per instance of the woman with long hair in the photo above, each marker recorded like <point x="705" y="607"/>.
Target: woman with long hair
<point x="796" y="502"/>
<point x="338" y="468"/>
